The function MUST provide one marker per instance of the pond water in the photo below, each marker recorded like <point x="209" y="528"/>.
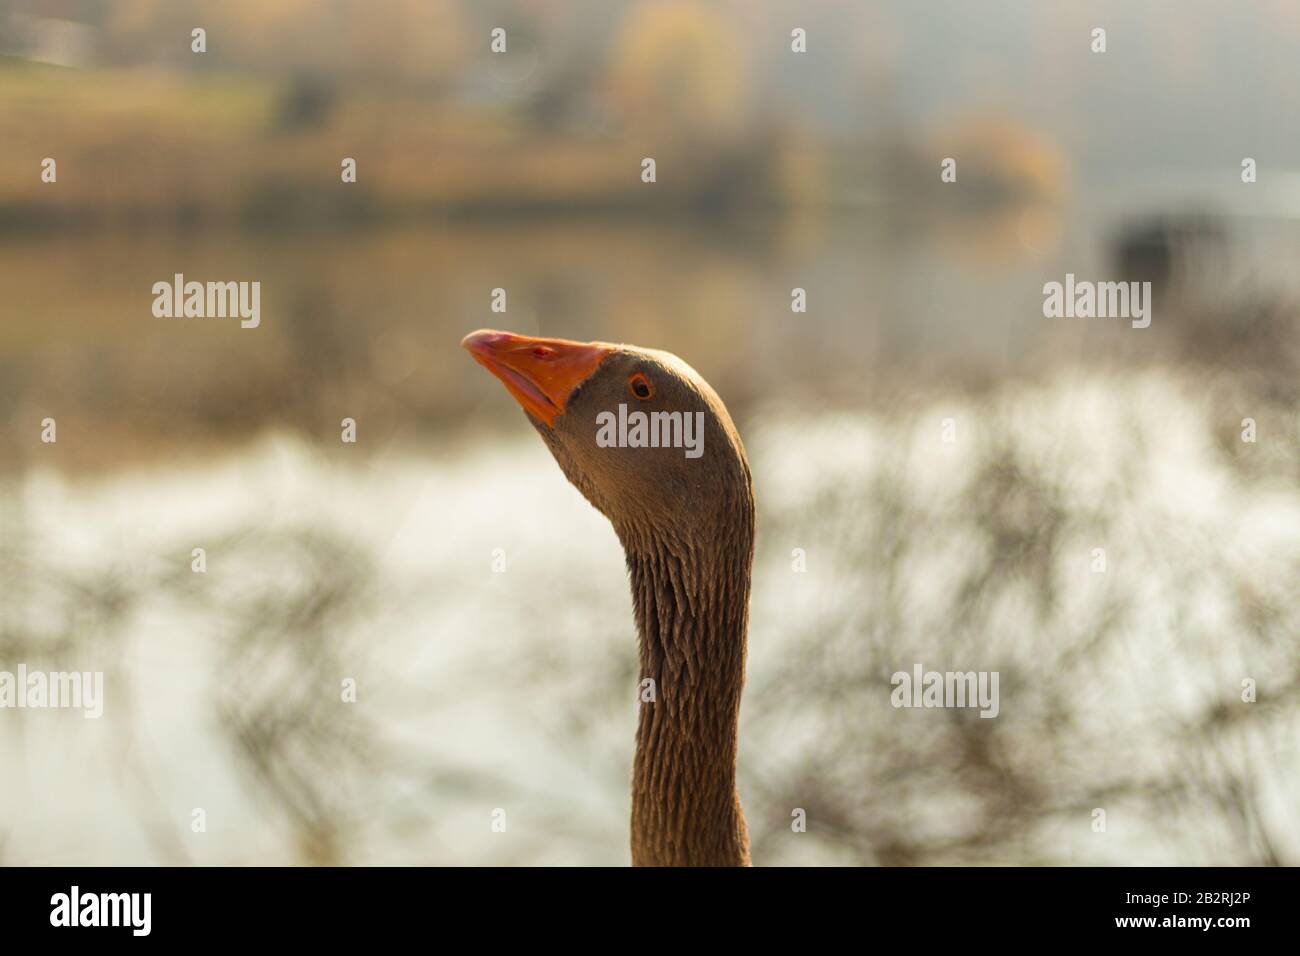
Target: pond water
<point x="481" y="689"/>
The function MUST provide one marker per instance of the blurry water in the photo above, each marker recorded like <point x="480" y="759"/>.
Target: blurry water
<point x="364" y="325"/>
<point x="480" y="690"/>
<point x="516" y="690"/>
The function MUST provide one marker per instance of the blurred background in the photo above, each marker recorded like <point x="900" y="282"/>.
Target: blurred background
<point x="373" y="561"/>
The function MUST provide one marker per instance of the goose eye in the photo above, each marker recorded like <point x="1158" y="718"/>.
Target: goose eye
<point x="639" y="385"/>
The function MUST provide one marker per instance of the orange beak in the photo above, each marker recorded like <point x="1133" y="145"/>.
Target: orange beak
<point x="540" y="373"/>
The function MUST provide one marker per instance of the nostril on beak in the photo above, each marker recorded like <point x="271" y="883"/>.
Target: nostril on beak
<point x="484" y="339"/>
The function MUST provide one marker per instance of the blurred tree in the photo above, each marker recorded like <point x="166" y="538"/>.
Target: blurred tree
<point x="678" y="65"/>
<point x="306" y="103"/>
<point x="413" y="42"/>
<point x="421" y="42"/>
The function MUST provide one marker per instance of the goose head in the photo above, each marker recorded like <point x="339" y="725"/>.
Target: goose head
<point x="638" y="431"/>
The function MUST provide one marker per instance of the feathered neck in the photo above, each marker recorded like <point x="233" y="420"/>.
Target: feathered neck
<point x="690" y="588"/>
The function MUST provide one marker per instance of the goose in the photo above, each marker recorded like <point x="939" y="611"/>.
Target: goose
<point x="686" y="525"/>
